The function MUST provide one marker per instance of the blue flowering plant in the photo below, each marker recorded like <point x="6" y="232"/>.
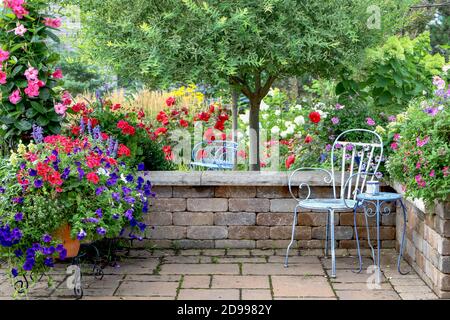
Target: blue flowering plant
<point x="58" y="181"/>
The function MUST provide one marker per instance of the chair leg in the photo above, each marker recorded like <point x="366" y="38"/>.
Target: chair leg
<point x="333" y="255"/>
<point x="294" y="223"/>
<point x="326" y="235"/>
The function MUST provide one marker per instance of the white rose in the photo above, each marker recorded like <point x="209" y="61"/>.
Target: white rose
<point x="275" y="130"/>
<point x="290" y="130"/>
<point x="264" y="106"/>
<point x="299" y="120"/>
<point x="283" y="134"/>
<point x="288" y="124"/>
<point x="277" y="112"/>
<point x="322" y="114"/>
<point x="298" y="107"/>
<point x="265" y="116"/>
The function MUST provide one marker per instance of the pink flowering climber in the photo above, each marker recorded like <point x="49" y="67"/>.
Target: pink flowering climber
<point x="15" y="97"/>
<point x="53" y="23"/>
<point x="2" y="77"/>
<point x="31" y="74"/>
<point x="4" y="55"/>
<point x="32" y="90"/>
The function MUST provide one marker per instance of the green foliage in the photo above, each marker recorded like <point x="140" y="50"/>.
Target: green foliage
<point x="421" y="157"/>
<point x="29" y="50"/>
<point x="393" y="74"/>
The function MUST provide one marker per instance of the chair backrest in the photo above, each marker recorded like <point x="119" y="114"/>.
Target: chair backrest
<point x="217" y="151"/>
<point x="355" y="158"/>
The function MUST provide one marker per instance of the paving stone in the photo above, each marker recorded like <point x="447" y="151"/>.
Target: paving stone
<point x="360" y="286"/>
<point x="417" y="289"/>
<point x="297" y="286"/>
<point x="208" y="294"/>
<point x="238" y="252"/>
<point x="154" y="288"/>
<point x="241" y="260"/>
<point x="295" y="259"/>
<point x="196" y="282"/>
<point x="188" y="269"/>
<point x="418" y="296"/>
<point x="149" y="278"/>
<point x="190" y="252"/>
<point x="279" y="269"/>
<point x="262" y="252"/>
<point x="274" y="244"/>
<point x="347" y="276"/>
<point x="213" y="252"/>
<point x="197" y="244"/>
<point x="256" y="294"/>
<point x="185" y="259"/>
<point x="367" y="295"/>
<point x="406" y="281"/>
<point x="348" y="263"/>
<point x="237" y="244"/>
<point x="253" y="282"/>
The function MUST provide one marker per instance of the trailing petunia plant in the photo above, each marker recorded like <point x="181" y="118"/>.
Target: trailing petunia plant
<point x="29" y="78"/>
<point x="420" y="145"/>
<point x="59" y="181"/>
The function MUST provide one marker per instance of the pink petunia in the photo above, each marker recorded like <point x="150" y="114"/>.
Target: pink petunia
<point x="4" y="55"/>
<point x="421" y="143"/>
<point x="370" y="121"/>
<point x="57" y="74"/>
<point x="20" y="30"/>
<point x="53" y="23"/>
<point x="60" y="109"/>
<point x="2" y="77"/>
<point x="31" y="74"/>
<point x="15" y="97"/>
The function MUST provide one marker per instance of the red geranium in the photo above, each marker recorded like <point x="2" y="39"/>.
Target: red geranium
<point x="93" y="177"/>
<point x="160" y="131"/>
<point x="290" y="161"/>
<point x="202" y="116"/>
<point x="141" y="114"/>
<point x="314" y="117"/>
<point x="76" y="130"/>
<point x="123" y="151"/>
<point x="211" y="108"/>
<point x="78" y="107"/>
<point x="170" y="101"/>
<point x="184" y="123"/>
<point x="223" y="117"/>
<point x="219" y="125"/>
<point x="116" y="106"/>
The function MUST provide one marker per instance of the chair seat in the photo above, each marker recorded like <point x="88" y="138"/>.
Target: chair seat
<point x="326" y="204"/>
<point x="216" y="164"/>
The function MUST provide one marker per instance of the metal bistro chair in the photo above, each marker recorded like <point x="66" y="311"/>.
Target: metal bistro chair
<point x="358" y="159"/>
<point x="214" y="155"/>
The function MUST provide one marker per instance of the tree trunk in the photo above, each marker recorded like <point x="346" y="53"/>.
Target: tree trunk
<point x="254" y="134"/>
<point x="234" y="106"/>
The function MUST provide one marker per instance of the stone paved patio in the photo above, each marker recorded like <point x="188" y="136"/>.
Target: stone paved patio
<point x="233" y="274"/>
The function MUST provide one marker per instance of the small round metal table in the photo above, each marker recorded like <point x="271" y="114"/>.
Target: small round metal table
<point x="372" y="208"/>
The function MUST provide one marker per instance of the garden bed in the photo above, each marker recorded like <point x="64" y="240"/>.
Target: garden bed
<point x="427" y="246"/>
<point x="245" y="210"/>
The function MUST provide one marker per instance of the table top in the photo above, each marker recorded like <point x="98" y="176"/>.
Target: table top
<point x="381" y="196"/>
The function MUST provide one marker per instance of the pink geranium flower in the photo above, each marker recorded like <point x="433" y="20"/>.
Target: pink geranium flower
<point x="2" y="77"/>
<point x="57" y="74"/>
<point x="31" y="74"/>
<point x="370" y="121"/>
<point x="20" y="30"/>
<point x="4" y="55"/>
<point x="60" y="109"/>
<point x="53" y="23"/>
<point x="15" y="97"/>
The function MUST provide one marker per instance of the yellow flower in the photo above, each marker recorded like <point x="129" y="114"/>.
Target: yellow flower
<point x="401" y="117"/>
<point x="380" y="130"/>
<point x="32" y="147"/>
<point x="21" y="149"/>
<point x="13" y="158"/>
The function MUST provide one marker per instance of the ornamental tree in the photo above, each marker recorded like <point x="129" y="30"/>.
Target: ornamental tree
<point x="29" y="79"/>
<point x="246" y="44"/>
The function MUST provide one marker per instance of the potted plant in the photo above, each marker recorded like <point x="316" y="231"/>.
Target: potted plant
<point x="58" y="191"/>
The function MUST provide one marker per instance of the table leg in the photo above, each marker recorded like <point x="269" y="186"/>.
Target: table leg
<point x="368" y="235"/>
<point x="357" y="240"/>
<point x="333" y="255"/>
<point x="378" y="271"/>
<point x="402" y="244"/>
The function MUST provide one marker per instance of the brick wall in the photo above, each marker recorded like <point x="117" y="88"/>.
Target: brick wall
<point x="427" y="242"/>
<point x="191" y="212"/>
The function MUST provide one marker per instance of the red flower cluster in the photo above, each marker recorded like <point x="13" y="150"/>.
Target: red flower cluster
<point x="126" y="128"/>
<point x="314" y="117"/>
<point x="168" y="152"/>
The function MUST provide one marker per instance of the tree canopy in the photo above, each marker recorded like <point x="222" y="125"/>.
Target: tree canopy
<point x="247" y="44"/>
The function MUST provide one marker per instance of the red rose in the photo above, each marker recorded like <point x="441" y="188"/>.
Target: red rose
<point x="314" y="117"/>
<point x="202" y="116"/>
<point x="290" y="161"/>
<point x="167" y="149"/>
<point x="308" y="139"/>
<point x="184" y="123"/>
<point x="170" y="101"/>
<point x="93" y="177"/>
<point x="129" y="130"/>
<point x="160" y="131"/>
<point x="141" y="115"/>
<point x="122" y="124"/>
<point x="174" y="112"/>
<point x="223" y="117"/>
<point x="219" y="126"/>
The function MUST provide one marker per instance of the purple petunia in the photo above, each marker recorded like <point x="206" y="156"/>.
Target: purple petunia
<point x="81" y="235"/>
<point x="14" y="272"/>
<point x="116" y="196"/>
<point x="126" y="191"/>
<point x="38" y="183"/>
<point x="141" y="167"/>
<point x="129" y="178"/>
<point x="18" y="216"/>
<point x="46" y="238"/>
<point x="129" y="214"/>
<point x="129" y="200"/>
<point x="63" y="254"/>
<point x="32" y="172"/>
<point x="49" y="262"/>
<point x="99" y="212"/>
<point x="81" y="173"/>
<point x="66" y="173"/>
<point x="101" y="231"/>
<point x="59" y="247"/>
<point x="100" y="190"/>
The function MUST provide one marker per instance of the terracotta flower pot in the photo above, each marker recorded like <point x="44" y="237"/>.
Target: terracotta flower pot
<point x="71" y="245"/>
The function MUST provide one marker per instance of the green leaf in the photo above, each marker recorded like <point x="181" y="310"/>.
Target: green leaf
<point x="17" y="46"/>
<point x="38" y="107"/>
<point x="31" y="113"/>
<point x="53" y="36"/>
<point x="16" y="70"/>
<point x="23" y="125"/>
<point x="42" y="121"/>
<point x="44" y="94"/>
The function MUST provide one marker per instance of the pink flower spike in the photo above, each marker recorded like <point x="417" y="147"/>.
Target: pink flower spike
<point x="4" y="55"/>
<point x="60" y="109"/>
<point x="15" y="97"/>
<point x="2" y="77"/>
<point x="20" y="30"/>
<point x="370" y="121"/>
<point x="57" y="74"/>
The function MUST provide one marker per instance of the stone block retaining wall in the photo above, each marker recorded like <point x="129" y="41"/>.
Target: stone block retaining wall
<point x="246" y="210"/>
<point x="427" y="242"/>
